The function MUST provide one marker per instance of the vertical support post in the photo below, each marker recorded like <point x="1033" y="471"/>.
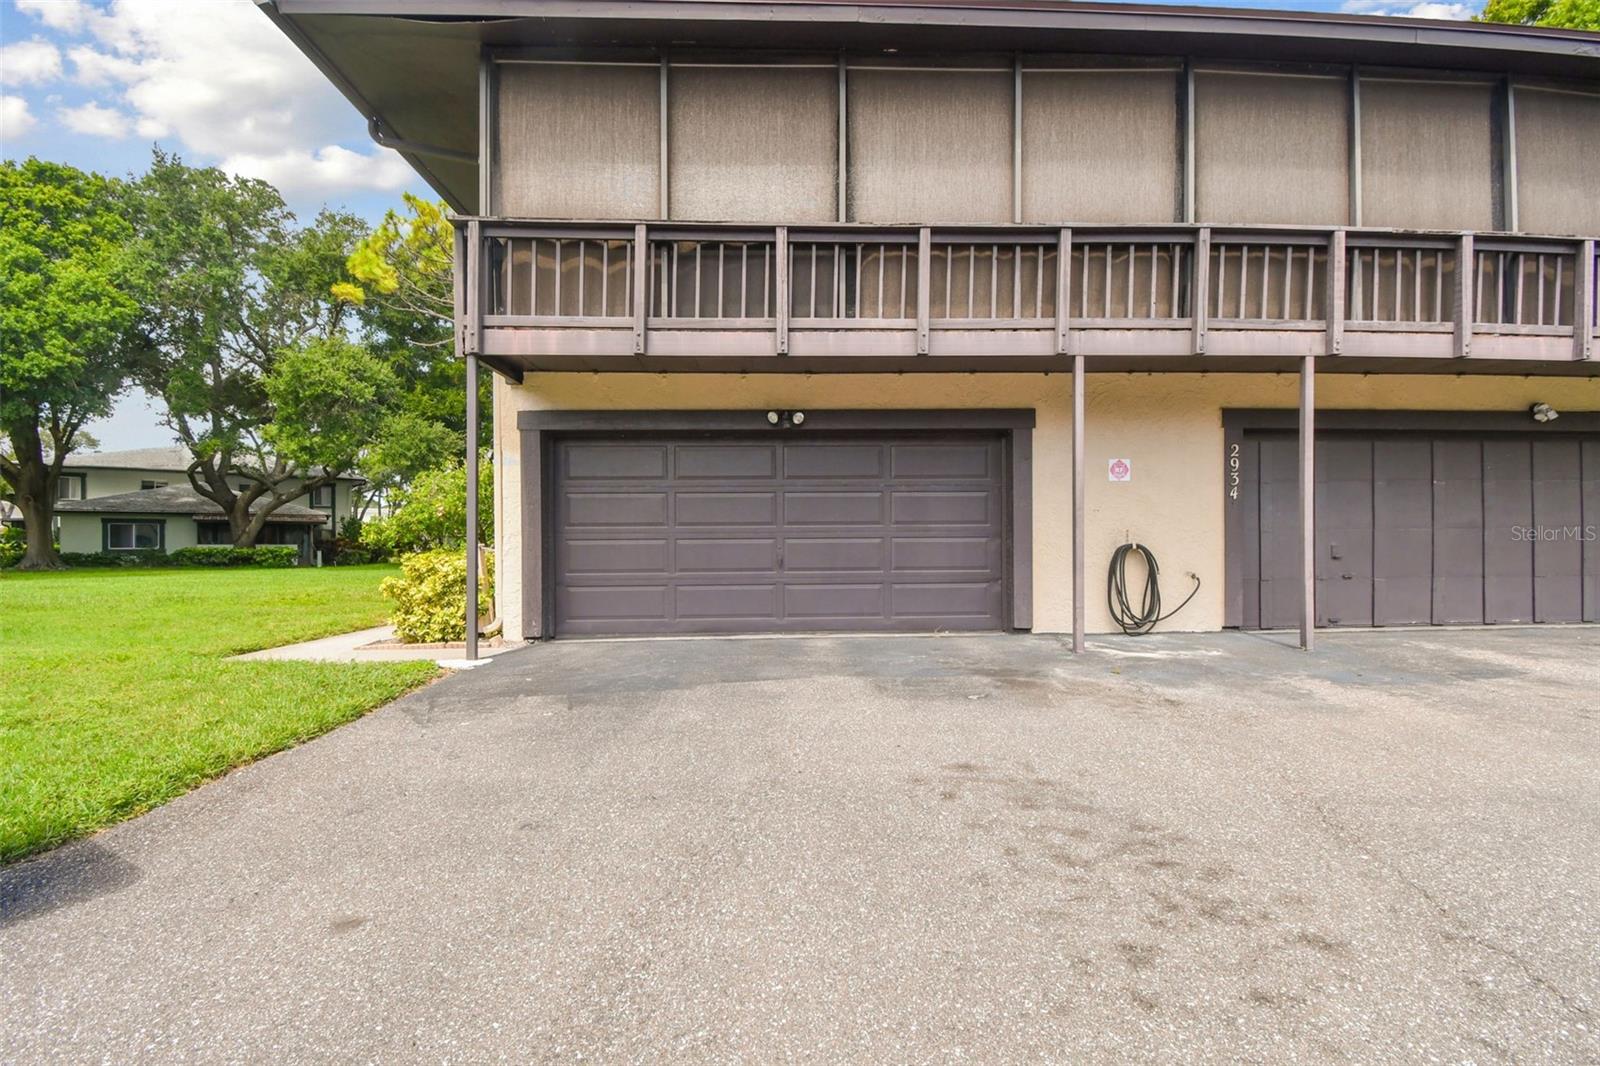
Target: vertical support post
<point x="488" y="119"/>
<point x="844" y="140"/>
<point x="924" y="287"/>
<point x="1016" y="138"/>
<point x="1308" y="501"/>
<point x="1333" y="305"/>
<point x="472" y="506"/>
<point x="473" y="320"/>
<point x="1583" y="303"/>
<point x="1355" y="146"/>
<point x="1509" y="120"/>
<point x="1079" y="484"/>
<point x="1064" y="345"/>
<point x="1201" y="287"/>
<point x="1466" y="290"/>
<point x="781" y="296"/>
<point x="641" y="286"/>
<point x="666" y="157"/>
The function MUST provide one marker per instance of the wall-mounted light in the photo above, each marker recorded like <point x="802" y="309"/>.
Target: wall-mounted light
<point x="1543" y="412"/>
<point x="786" y="419"/>
<point x="799" y="418"/>
<point x="772" y="417"/>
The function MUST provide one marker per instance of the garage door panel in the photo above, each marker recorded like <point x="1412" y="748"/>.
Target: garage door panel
<point x="1591" y="531"/>
<point x="726" y="554"/>
<point x="1402" y="536"/>
<point x="942" y="461"/>
<point x="588" y="557"/>
<point x="595" y="509"/>
<point x="1507" y="513"/>
<point x="612" y="603"/>
<point x="598" y="461"/>
<point x="727" y="508"/>
<point x="832" y="554"/>
<point x="947" y="601"/>
<point x="942" y="508"/>
<point x="1457" y="532"/>
<point x="733" y="602"/>
<point x="1558" y="526"/>
<point x="695" y="461"/>
<point x="945" y="554"/>
<point x="834" y="601"/>
<point x="860" y="508"/>
<point x="833" y="460"/>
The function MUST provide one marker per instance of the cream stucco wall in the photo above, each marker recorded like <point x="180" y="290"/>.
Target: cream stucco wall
<point x="1169" y="426"/>
<point x="81" y="532"/>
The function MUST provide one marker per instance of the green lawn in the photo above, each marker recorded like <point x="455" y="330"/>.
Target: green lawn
<point x="114" y="696"/>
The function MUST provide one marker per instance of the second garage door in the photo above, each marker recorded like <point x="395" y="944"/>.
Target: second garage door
<point x="771" y="534"/>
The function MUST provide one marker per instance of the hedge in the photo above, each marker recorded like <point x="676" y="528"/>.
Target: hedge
<point x="430" y="596"/>
<point x="262" y="555"/>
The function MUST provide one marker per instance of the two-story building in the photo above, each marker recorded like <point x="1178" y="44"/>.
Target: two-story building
<point x="905" y="314"/>
<point x="141" y="499"/>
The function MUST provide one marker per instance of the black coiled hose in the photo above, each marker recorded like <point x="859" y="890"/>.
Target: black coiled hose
<point x="1137" y="623"/>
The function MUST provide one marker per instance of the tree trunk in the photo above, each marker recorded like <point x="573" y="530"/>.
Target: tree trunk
<point x="38" y="516"/>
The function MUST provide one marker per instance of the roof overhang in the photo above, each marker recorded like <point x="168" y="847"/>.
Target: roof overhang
<point x="411" y="66"/>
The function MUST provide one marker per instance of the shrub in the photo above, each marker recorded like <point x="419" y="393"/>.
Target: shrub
<point x="13" y="544"/>
<point x="430" y="596"/>
<point x="140" y="557"/>
<point x="262" y="555"/>
<point x="432" y="513"/>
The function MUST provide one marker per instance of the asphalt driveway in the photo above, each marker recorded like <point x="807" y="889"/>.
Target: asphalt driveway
<point x="876" y="849"/>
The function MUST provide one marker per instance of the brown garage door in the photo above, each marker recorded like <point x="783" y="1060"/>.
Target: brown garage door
<point x="767" y="534"/>
<point x="1416" y="529"/>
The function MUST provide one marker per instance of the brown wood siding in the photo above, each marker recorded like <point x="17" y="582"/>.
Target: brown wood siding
<point x="1099" y="147"/>
<point x="754" y="145"/>
<point x="1427" y="155"/>
<point x="578" y="141"/>
<point x="1558" y="162"/>
<point x="930" y="146"/>
<point x="1271" y="149"/>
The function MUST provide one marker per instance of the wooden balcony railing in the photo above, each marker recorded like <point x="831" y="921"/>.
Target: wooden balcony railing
<point x="560" y="295"/>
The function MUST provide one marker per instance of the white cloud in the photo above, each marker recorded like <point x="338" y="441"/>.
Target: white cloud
<point x="325" y="170"/>
<point x="1416" y="9"/>
<point x="218" y="78"/>
<point x="95" y="121"/>
<point x="15" y="119"/>
<point x="29" y="62"/>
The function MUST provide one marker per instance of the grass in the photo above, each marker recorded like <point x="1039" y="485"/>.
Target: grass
<point x="114" y="696"/>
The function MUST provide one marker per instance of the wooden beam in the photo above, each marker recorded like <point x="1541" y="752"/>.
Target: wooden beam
<point x="1201" y="291"/>
<point x="1064" y="292"/>
<point x="473" y="321"/>
<point x="924" y="284"/>
<point x="1308" y="501"/>
<point x="1466" y="291"/>
<point x="1583" y="304"/>
<point x="1334" y="302"/>
<point x="781" y="251"/>
<point x="641" y="286"/>
<point x="1080" y="589"/>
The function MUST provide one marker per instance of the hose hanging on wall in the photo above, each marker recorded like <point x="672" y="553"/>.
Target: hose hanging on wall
<point x="1137" y="623"/>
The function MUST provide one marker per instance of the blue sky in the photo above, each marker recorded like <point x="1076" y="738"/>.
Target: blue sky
<point x="97" y="83"/>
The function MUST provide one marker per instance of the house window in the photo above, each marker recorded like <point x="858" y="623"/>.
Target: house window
<point x="322" y="497"/>
<point x="71" y="486"/>
<point x="244" y="486"/>
<point x="152" y="484"/>
<point x="134" y="535"/>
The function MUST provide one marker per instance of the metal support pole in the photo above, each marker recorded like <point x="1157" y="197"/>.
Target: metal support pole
<point x="472" y="506"/>
<point x="1079" y="584"/>
<point x="1308" y="509"/>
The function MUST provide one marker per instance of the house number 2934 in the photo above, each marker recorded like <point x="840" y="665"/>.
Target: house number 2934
<point x="1233" y="471"/>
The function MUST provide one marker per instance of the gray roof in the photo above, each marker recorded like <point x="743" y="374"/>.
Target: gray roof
<point x="174" y="458"/>
<point x="177" y="499"/>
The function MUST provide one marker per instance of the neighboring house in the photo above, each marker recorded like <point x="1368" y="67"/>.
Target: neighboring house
<point x="141" y="498"/>
<point x="894" y="315"/>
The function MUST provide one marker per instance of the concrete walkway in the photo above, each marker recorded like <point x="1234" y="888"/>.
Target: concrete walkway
<point x="1178" y="849"/>
<point x="377" y="645"/>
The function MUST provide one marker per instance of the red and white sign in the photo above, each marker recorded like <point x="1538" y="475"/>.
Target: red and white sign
<point x="1119" y="470"/>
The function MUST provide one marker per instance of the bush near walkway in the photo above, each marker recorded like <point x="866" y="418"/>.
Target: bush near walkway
<point x="116" y="696"/>
<point x="430" y="596"/>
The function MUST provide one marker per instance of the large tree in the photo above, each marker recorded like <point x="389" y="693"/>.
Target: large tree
<point x="400" y="279"/>
<point x="1565" y="14"/>
<point x="253" y="358"/>
<point x="68" y="316"/>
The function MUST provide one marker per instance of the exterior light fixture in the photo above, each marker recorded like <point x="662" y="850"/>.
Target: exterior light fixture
<point x="1543" y="412"/>
<point x="772" y="418"/>
<point x="799" y="418"/>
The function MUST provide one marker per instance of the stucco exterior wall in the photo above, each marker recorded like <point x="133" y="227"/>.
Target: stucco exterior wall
<point x="81" y="532"/>
<point x="1168" y="426"/>
<point x="99" y="481"/>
